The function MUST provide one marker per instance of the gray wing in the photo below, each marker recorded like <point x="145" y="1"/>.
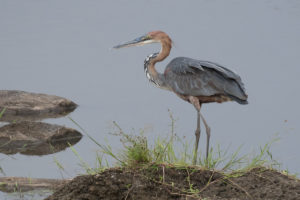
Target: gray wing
<point x="188" y="76"/>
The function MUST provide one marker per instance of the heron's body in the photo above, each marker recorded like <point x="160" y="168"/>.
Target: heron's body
<point x="207" y="81"/>
<point x="192" y="80"/>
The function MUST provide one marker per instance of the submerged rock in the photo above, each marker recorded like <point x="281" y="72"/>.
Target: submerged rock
<point x="25" y="106"/>
<point x="36" y="138"/>
<point x="15" y="184"/>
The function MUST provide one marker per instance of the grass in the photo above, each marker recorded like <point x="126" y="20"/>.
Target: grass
<point x="173" y="151"/>
<point x="153" y="160"/>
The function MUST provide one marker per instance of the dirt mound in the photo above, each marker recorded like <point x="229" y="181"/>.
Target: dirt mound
<point x="163" y="182"/>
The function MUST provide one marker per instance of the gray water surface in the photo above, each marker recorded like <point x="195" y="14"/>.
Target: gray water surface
<point x="64" y="48"/>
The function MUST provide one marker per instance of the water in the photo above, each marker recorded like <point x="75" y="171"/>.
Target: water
<point x="64" y="48"/>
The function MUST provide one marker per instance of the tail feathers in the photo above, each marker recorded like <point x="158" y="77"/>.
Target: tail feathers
<point x="240" y="101"/>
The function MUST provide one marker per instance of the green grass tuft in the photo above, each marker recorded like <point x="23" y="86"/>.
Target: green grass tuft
<point x="2" y="112"/>
<point x="174" y="151"/>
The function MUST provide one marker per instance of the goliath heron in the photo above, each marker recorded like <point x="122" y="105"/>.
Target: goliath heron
<point x="194" y="81"/>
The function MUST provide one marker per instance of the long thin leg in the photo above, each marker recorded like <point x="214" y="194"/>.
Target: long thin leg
<point x="197" y="105"/>
<point x="207" y="128"/>
<point x="197" y="134"/>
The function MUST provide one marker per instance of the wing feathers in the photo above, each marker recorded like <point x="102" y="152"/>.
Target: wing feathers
<point x="188" y="76"/>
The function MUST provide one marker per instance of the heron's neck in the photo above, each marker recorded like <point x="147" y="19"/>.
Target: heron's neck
<point x="150" y="71"/>
<point x="149" y="65"/>
<point x="152" y="59"/>
<point x="152" y="75"/>
<point x="164" y="52"/>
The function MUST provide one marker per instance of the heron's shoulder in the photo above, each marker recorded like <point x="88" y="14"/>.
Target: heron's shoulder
<point x="182" y="60"/>
<point x="184" y="63"/>
<point x="190" y="62"/>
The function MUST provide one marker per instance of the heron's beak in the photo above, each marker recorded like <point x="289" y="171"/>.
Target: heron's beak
<point x="136" y="42"/>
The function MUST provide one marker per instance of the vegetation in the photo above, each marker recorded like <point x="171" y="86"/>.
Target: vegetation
<point x="163" y="170"/>
<point x="173" y="151"/>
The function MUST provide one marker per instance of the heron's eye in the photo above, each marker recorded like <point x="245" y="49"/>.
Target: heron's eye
<point x="147" y="37"/>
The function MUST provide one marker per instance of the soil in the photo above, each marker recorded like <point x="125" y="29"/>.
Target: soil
<point x="167" y="182"/>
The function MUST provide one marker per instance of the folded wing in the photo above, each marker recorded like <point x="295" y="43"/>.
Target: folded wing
<point x="192" y="77"/>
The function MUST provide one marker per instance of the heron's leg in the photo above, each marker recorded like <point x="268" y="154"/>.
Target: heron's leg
<point x="197" y="105"/>
<point x="207" y="128"/>
<point x="197" y="134"/>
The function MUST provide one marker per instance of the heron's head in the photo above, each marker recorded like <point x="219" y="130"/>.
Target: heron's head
<point x="151" y="37"/>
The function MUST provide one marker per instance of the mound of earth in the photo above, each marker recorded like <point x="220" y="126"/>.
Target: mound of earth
<point x="166" y="182"/>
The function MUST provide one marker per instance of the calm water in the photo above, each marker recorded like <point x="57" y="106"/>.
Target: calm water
<point x="64" y="48"/>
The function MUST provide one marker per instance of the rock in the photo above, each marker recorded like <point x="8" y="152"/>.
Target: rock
<point x="25" y="106"/>
<point x="14" y="184"/>
<point x="36" y="138"/>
